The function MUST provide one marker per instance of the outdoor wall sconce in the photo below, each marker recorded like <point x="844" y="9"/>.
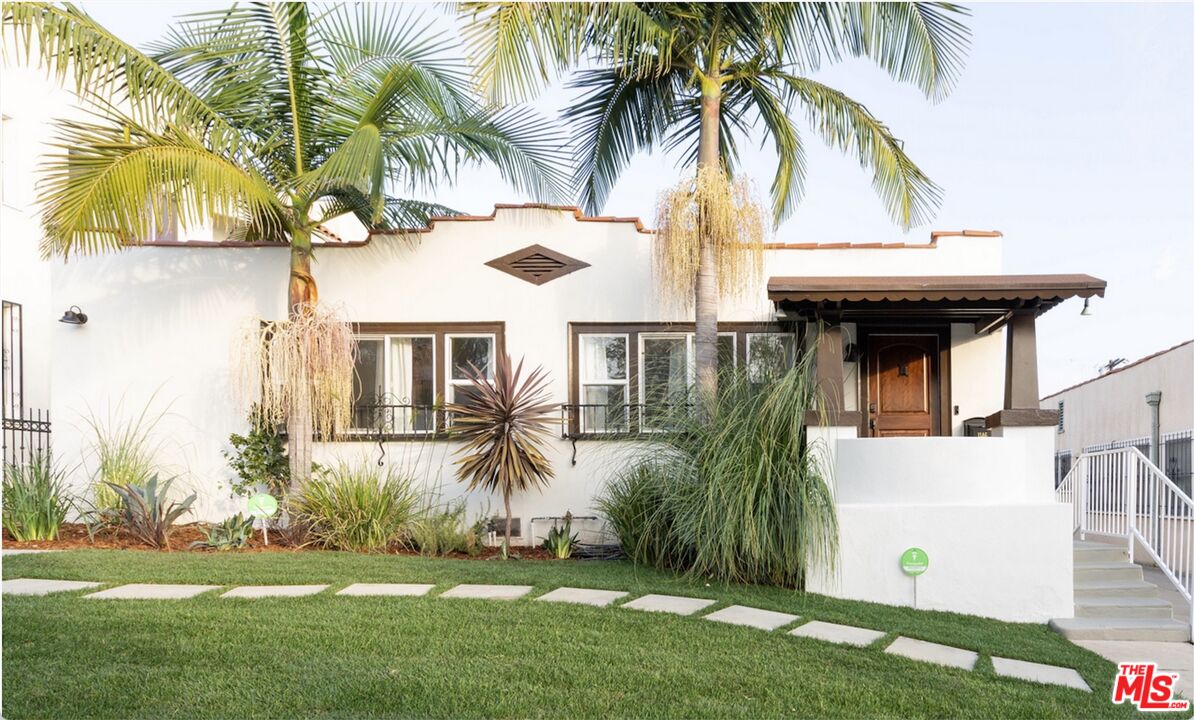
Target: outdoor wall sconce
<point x="73" y="316"/>
<point x="1086" y="311"/>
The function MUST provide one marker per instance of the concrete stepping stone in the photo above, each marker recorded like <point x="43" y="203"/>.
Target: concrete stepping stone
<point x="385" y="590"/>
<point x="488" y="592"/>
<point x="5" y="552"/>
<point x="933" y="653"/>
<point x="583" y="596"/>
<point x="31" y="586"/>
<point x="265" y="591"/>
<point x="669" y="604"/>
<point x="840" y="634"/>
<point x="148" y="591"/>
<point x="1036" y="672"/>
<point x="752" y="617"/>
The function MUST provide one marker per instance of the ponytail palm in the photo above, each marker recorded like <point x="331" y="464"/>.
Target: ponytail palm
<point x="277" y="116"/>
<point x="697" y="79"/>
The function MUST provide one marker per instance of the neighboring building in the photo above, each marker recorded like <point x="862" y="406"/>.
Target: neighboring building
<point x="1111" y="411"/>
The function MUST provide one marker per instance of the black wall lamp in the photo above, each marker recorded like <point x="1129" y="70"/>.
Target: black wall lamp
<point x="73" y="316"/>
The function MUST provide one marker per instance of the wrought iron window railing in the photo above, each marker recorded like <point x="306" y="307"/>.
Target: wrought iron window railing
<point x="401" y="421"/>
<point x="612" y="421"/>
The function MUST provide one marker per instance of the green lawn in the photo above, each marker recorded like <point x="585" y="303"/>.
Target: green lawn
<point x="328" y="656"/>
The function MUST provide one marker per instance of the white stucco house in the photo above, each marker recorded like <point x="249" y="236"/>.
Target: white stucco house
<point x="936" y="438"/>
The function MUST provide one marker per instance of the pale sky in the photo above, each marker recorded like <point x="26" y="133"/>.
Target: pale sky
<point x="1071" y="130"/>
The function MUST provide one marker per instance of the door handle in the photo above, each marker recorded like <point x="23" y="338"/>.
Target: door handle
<point x="872" y="424"/>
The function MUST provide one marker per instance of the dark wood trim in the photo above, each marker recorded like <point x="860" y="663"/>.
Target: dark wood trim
<point x="942" y="369"/>
<point x="1023" y="417"/>
<point x="439" y="330"/>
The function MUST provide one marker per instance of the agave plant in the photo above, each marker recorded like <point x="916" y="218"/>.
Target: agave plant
<point x="228" y="534"/>
<point x="560" y="540"/>
<point x="146" y="512"/>
<point x="504" y="426"/>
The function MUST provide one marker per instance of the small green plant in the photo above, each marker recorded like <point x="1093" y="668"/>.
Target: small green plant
<point x="359" y="507"/>
<point x="35" y="499"/>
<point x="445" y="530"/>
<point x="147" y="512"/>
<point x="259" y="459"/>
<point x="229" y="534"/>
<point x="560" y="540"/>
<point x="124" y="450"/>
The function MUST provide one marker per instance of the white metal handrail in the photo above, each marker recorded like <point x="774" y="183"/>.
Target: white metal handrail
<point x="1121" y="493"/>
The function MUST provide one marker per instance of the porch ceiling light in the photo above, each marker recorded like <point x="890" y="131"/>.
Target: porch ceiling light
<point x="1086" y="311"/>
<point x="73" y="316"/>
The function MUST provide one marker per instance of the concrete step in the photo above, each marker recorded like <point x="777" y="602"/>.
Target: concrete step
<point x="1089" y="552"/>
<point x="1113" y="606"/>
<point x="1114" y="588"/>
<point x="1106" y="572"/>
<point x="1141" y="629"/>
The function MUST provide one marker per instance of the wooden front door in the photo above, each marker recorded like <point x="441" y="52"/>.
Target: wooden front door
<point x="902" y="385"/>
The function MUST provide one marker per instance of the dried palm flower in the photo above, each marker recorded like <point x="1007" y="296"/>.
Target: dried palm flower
<point x="709" y="207"/>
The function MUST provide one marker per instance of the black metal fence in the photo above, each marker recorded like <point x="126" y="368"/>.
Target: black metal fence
<point x="25" y="437"/>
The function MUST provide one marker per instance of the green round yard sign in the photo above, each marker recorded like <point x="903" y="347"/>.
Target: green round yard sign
<point x="263" y="505"/>
<point x="914" y="561"/>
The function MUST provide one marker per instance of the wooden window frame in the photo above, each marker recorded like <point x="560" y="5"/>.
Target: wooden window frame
<point x="633" y="331"/>
<point x="582" y="382"/>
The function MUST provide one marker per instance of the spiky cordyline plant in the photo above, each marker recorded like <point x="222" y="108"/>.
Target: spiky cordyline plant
<point x="709" y="207"/>
<point x="696" y="78"/>
<point x="504" y="426"/>
<point x="303" y="365"/>
<point x="273" y="115"/>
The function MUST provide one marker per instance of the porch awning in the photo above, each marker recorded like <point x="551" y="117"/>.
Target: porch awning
<point x="968" y="295"/>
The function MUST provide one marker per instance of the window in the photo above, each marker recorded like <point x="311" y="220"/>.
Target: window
<point x="604" y="386"/>
<point x="769" y="355"/>
<point x="400" y="382"/>
<point x="12" y="376"/>
<point x="635" y="377"/>
<point x="1062" y="462"/>
<point x="1060" y="416"/>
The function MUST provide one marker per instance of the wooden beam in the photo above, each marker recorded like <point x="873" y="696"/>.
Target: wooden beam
<point x="830" y="373"/>
<point x="1021" y="390"/>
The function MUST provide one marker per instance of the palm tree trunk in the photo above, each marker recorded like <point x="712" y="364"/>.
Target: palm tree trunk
<point x="709" y="157"/>
<point x="509" y="520"/>
<point x="301" y="297"/>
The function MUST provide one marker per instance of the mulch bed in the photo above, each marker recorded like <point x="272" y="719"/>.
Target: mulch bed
<point x="73" y="536"/>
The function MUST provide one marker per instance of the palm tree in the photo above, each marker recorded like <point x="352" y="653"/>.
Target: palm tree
<point x="273" y="117"/>
<point x="697" y="78"/>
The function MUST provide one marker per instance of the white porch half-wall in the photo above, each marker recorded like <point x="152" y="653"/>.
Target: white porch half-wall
<point x="998" y="544"/>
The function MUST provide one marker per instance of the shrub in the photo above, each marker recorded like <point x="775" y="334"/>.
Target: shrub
<point x="230" y="533"/>
<point x="560" y="540"/>
<point x="35" y="499"/>
<point x="125" y="453"/>
<point x="445" y="530"/>
<point x="359" y="507"/>
<point x="739" y="496"/>
<point x="259" y="459"/>
<point x="146" y="511"/>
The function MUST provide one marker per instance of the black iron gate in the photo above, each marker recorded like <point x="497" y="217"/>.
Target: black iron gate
<point x="25" y="437"/>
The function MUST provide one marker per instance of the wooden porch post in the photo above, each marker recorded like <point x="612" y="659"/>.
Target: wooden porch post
<point x="1021" y="390"/>
<point x="830" y="375"/>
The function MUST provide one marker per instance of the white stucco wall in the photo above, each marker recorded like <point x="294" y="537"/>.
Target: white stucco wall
<point x="998" y="545"/>
<point x="1112" y="407"/>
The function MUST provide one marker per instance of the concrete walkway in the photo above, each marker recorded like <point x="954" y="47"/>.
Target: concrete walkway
<point x="756" y="618"/>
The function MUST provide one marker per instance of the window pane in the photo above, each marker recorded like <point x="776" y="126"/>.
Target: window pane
<point x="474" y="351"/>
<point x="367" y="382"/>
<point x="726" y="357"/>
<point x="770" y="355"/>
<point x="665" y="378"/>
<point x="412" y="383"/>
<point x="604" y="409"/>
<point x="602" y="357"/>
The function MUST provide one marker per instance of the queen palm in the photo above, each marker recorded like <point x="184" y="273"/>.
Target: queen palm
<point x="274" y="118"/>
<point x="696" y="79"/>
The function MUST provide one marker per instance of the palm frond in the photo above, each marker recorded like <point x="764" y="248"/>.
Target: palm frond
<point x="923" y="43"/>
<point x="518" y="48"/>
<point x="909" y="195"/>
<point x="791" y="167"/>
<point x="110" y="186"/>
<point x="70" y="44"/>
